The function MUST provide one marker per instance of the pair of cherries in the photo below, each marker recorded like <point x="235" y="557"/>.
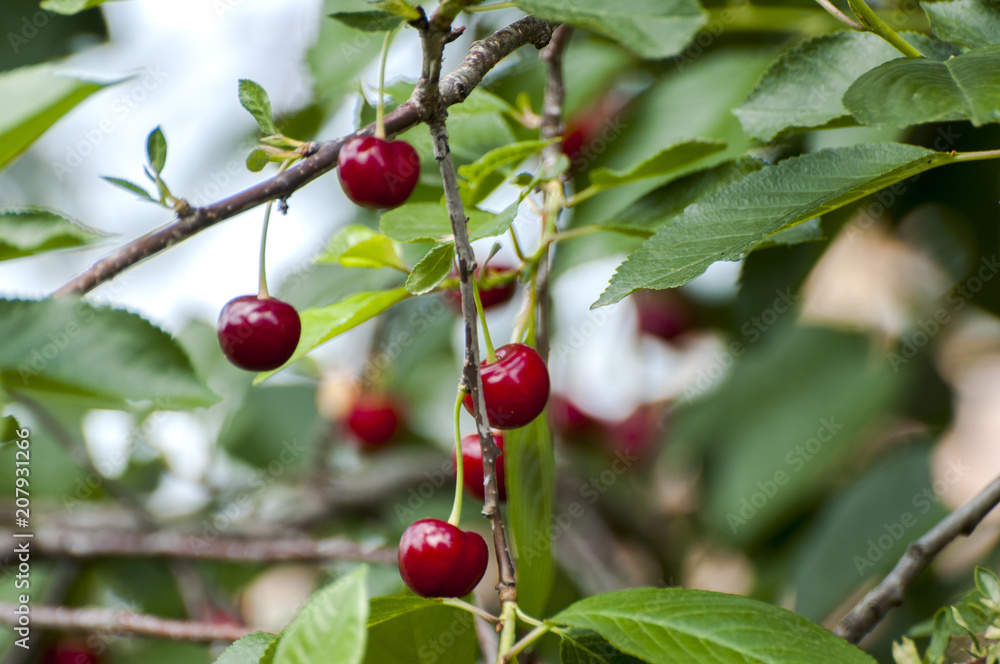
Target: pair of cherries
<point x="437" y="559"/>
<point x="261" y="333"/>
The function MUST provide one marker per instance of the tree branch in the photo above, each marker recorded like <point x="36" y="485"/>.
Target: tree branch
<point x="552" y="127"/>
<point x="889" y="593"/>
<point x="173" y="544"/>
<point x="123" y="623"/>
<point x="433" y="39"/>
<point x="453" y="89"/>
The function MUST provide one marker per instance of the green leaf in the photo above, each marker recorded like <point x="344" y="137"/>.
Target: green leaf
<point x="906" y="652"/>
<point x="321" y="324"/>
<point x="67" y="343"/>
<point x="397" y="8"/>
<point x="429" y="222"/>
<point x="34" y="98"/>
<point x="652" y="29"/>
<point x="130" y="186"/>
<point x="257" y="160"/>
<point x="331" y="626"/>
<point x="514" y="153"/>
<point x="586" y="647"/>
<point x="414" y="630"/>
<point x="254" y="98"/>
<point x="665" y="203"/>
<point x="666" y="161"/>
<point x="912" y="91"/>
<point x="666" y="626"/>
<point x="972" y="23"/>
<point x="70" y="6"/>
<point x="9" y="427"/>
<point x="360" y="246"/>
<point x="803" y="88"/>
<point x="431" y="269"/>
<point x="987" y="583"/>
<point x="248" y="650"/>
<point x="529" y="463"/>
<point x="392" y="606"/>
<point x="156" y="149"/>
<point x="33" y="230"/>
<point x="373" y="21"/>
<point x="732" y="221"/>
<point x="859" y="534"/>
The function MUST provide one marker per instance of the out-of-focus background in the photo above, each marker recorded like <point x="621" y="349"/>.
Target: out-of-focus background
<point x="781" y="427"/>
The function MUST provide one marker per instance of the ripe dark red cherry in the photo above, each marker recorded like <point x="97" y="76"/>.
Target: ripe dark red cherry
<point x="567" y="419"/>
<point x="472" y="466"/>
<point x="490" y="297"/>
<point x="437" y="559"/>
<point x="376" y="173"/>
<point x="515" y="386"/>
<point x="374" y="419"/>
<point x="258" y="334"/>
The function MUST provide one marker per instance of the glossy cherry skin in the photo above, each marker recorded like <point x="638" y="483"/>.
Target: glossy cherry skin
<point x="489" y="297"/>
<point x="472" y="466"/>
<point x="258" y="334"/>
<point x="437" y="559"/>
<point x="376" y="173"/>
<point x="515" y="386"/>
<point x="374" y="419"/>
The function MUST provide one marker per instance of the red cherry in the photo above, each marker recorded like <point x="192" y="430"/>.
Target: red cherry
<point x="373" y="419"/>
<point x="376" y="173"/>
<point x="665" y="314"/>
<point x="70" y="652"/>
<point x="437" y="559"/>
<point x="258" y="334"/>
<point x="472" y="466"/>
<point x="515" y="386"/>
<point x="490" y="297"/>
<point x="567" y="419"/>
<point x="637" y="434"/>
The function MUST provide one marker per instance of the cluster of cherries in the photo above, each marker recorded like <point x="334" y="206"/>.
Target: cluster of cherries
<point x="436" y="559"/>
<point x="261" y="333"/>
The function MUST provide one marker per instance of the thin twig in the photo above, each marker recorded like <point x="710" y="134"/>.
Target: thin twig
<point x="172" y="544"/>
<point x="552" y="127"/>
<point x="889" y="593"/>
<point x="840" y="16"/>
<point x="123" y="622"/>
<point x="470" y="372"/>
<point x="454" y="88"/>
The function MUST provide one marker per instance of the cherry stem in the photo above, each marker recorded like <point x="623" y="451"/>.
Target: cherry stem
<point x="380" y="105"/>
<point x="528" y="639"/>
<point x="508" y="618"/>
<point x="471" y="608"/>
<point x="262" y="288"/>
<point x="456" y="510"/>
<point x="491" y="354"/>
